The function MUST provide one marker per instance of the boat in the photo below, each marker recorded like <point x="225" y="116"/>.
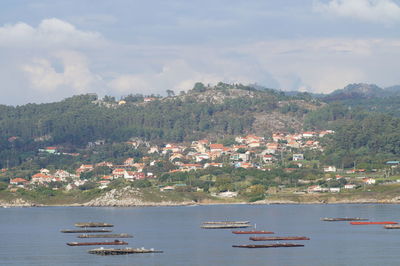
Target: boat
<point x="277" y="245"/>
<point x="228" y="222"/>
<point x="277" y="238"/>
<point x="326" y="219"/>
<point x="392" y="226"/>
<point x="115" y="251"/>
<point x="85" y="231"/>
<point x="93" y="225"/>
<point x="366" y="223"/>
<point x="115" y="242"/>
<point x="224" y="226"/>
<point x="252" y="232"/>
<point x="106" y="236"/>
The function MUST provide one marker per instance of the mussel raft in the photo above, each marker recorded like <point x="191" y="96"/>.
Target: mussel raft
<point x="115" y="251"/>
<point x="91" y="224"/>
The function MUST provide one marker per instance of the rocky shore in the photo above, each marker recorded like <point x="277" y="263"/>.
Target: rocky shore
<point x="128" y="197"/>
<point x="133" y="197"/>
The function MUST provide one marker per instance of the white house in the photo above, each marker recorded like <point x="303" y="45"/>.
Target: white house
<point x="330" y="169"/>
<point x="298" y="157"/>
<point x="350" y="186"/>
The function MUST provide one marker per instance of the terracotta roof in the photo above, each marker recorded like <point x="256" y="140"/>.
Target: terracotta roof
<point x="40" y="175"/>
<point x="18" y="180"/>
<point x="216" y="146"/>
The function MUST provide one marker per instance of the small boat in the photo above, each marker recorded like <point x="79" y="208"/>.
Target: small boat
<point x="85" y="231"/>
<point x="114" y="251"/>
<point x="277" y="238"/>
<point x="277" y="245"/>
<point x="224" y="226"/>
<point x="115" y="242"/>
<point x="366" y="223"/>
<point x="392" y="226"/>
<point x="252" y="232"/>
<point x="106" y="236"/>
<point x="93" y="225"/>
<point x="343" y="219"/>
<point x="228" y="222"/>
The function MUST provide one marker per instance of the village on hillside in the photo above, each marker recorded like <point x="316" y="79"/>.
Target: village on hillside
<point x="283" y="150"/>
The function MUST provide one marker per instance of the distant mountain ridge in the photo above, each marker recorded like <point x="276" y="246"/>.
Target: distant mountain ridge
<point x="362" y="91"/>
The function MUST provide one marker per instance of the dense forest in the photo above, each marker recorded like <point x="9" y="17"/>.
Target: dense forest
<point x="366" y="126"/>
<point x="73" y="122"/>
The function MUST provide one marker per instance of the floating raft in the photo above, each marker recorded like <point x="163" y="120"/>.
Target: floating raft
<point x="277" y="245"/>
<point x="116" y="242"/>
<point x="366" y="223"/>
<point x="343" y="219"/>
<point x="114" y="251"/>
<point x="252" y="232"/>
<point x="93" y="225"/>
<point x="279" y="238"/>
<point x="224" y="226"/>
<point x="86" y="231"/>
<point x="392" y="226"/>
<point x="228" y="222"/>
<point x="106" y="236"/>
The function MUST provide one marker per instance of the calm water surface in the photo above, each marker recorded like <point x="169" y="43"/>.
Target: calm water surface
<point x="30" y="236"/>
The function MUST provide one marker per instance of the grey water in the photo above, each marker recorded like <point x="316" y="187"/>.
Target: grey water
<point x="31" y="236"/>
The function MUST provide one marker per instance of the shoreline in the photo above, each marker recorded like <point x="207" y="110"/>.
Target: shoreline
<point x="25" y="204"/>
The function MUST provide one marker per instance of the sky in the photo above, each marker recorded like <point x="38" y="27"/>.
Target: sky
<point x="50" y="50"/>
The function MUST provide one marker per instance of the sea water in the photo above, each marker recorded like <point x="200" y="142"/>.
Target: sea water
<point x="31" y="236"/>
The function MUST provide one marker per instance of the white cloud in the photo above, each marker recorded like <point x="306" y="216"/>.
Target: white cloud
<point x="55" y="60"/>
<point x="50" y="33"/>
<point x="177" y="75"/>
<point x="75" y="73"/>
<point x="323" y="65"/>
<point x="381" y="11"/>
<point x="32" y="55"/>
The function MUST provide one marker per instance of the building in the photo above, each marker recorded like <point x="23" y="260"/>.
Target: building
<point x="298" y="157"/>
<point x="41" y="178"/>
<point x="329" y="169"/>
<point x="18" y="181"/>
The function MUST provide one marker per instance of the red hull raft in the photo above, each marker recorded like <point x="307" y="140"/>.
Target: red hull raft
<point x="262" y="238"/>
<point x="366" y="223"/>
<point x="277" y="245"/>
<point x="252" y="232"/>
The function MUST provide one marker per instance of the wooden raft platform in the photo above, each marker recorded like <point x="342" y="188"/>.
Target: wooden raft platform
<point x="278" y="245"/>
<point x="224" y="226"/>
<point x="91" y="224"/>
<point x="86" y="231"/>
<point x="106" y="236"/>
<point x="326" y="219"/>
<point x="114" y="251"/>
<point x="277" y="238"/>
<point x="116" y="242"/>
<point x="228" y="222"/>
<point x="251" y="232"/>
<point x="392" y="226"/>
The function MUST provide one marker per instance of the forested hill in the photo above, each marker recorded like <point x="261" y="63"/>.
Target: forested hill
<point x="203" y="111"/>
<point x="365" y="121"/>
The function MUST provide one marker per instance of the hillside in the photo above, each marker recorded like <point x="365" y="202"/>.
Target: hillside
<point x="214" y="112"/>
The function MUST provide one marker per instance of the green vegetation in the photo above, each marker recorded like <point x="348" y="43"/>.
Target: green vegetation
<point x="85" y="130"/>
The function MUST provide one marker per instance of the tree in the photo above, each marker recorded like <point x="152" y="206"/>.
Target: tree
<point x="199" y="87"/>
<point x="170" y="93"/>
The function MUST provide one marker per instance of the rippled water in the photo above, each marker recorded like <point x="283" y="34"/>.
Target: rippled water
<point x="30" y="236"/>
